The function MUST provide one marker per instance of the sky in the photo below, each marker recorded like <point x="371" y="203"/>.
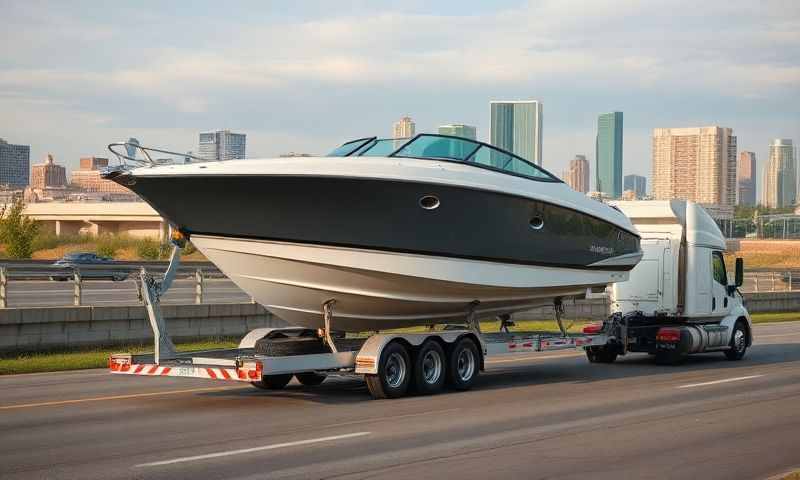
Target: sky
<point x="307" y="76"/>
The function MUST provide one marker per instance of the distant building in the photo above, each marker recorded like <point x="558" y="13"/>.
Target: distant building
<point x="608" y="154"/>
<point x="404" y="128"/>
<point x="516" y="126"/>
<point x="294" y="154"/>
<point x="222" y="145"/>
<point x="629" y="195"/>
<point x="637" y="184"/>
<point x="577" y="175"/>
<point x="697" y="164"/>
<point x="89" y="180"/>
<point x="48" y="175"/>
<point x="779" y="181"/>
<point x="459" y="130"/>
<point x="131" y="148"/>
<point x="15" y="164"/>
<point x="746" y="179"/>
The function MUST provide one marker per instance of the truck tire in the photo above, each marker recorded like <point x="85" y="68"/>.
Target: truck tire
<point x="288" y="346"/>
<point x="430" y="368"/>
<point x="463" y="364"/>
<point x="738" y="342"/>
<point x="601" y="355"/>
<point x="310" y="379"/>
<point x="273" y="382"/>
<point x="394" y="373"/>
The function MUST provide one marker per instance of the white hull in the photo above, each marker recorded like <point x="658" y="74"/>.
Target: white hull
<point x="376" y="290"/>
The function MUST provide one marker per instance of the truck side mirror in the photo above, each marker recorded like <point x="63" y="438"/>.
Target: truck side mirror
<point x="739" y="272"/>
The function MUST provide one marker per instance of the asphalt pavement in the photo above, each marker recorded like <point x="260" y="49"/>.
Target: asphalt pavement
<point x="545" y="416"/>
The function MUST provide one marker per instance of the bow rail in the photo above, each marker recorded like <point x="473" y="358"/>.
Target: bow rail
<point x="146" y="159"/>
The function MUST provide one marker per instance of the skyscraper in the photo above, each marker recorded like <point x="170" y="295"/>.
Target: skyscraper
<point x="577" y="175"/>
<point x="404" y="128"/>
<point x="608" y="154"/>
<point x="222" y="145"/>
<point x="746" y="179"/>
<point x="637" y="184"/>
<point x="459" y="130"/>
<point x="779" y="181"/>
<point x="48" y="174"/>
<point x="697" y="164"/>
<point x="516" y="126"/>
<point x="15" y="164"/>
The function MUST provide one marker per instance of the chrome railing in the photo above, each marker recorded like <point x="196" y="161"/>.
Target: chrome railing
<point x="146" y="159"/>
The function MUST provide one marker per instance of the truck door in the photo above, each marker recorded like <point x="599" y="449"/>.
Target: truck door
<point x="720" y="302"/>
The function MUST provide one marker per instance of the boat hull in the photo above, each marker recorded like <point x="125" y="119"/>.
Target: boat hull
<point x="377" y="290"/>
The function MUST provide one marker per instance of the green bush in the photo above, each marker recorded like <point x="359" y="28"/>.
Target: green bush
<point x="17" y="231"/>
<point x="189" y="249"/>
<point x="47" y="240"/>
<point x="106" y="249"/>
<point x="148" y="249"/>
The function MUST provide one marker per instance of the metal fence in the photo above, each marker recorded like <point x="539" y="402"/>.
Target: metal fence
<point x="772" y="281"/>
<point x="36" y="284"/>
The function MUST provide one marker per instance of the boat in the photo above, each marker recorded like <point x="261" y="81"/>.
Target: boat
<point x="398" y="233"/>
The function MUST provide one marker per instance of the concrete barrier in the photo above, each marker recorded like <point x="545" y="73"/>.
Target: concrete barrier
<point x="54" y="327"/>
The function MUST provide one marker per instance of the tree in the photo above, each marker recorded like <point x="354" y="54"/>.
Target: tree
<point x="17" y="231"/>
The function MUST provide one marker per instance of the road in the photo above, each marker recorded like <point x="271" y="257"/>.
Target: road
<point x="552" y="416"/>
<point x="42" y="293"/>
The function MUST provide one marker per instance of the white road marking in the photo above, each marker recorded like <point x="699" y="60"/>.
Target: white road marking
<point x="715" y="382"/>
<point x="251" y="450"/>
<point x="772" y="335"/>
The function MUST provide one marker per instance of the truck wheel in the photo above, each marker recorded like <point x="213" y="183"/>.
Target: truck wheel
<point x="601" y="355"/>
<point x="429" y="368"/>
<point x="669" y="358"/>
<point x="462" y="364"/>
<point x="394" y="373"/>
<point x="310" y="379"/>
<point x="273" y="382"/>
<point x="738" y="343"/>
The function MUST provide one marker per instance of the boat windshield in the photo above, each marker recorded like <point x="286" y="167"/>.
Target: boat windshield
<point x="350" y="147"/>
<point x="444" y="147"/>
<point x="470" y="151"/>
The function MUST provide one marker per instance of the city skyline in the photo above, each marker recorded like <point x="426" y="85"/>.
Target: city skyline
<point x="637" y="184"/>
<point x="403" y="128"/>
<point x="746" y="191"/>
<point x="779" y="180"/>
<point x="222" y="145"/>
<point x="577" y="175"/>
<point x="70" y="95"/>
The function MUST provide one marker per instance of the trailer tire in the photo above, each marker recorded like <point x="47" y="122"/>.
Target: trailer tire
<point x="289" y="346"/>
<point x="463" y="364"/>
<point x="394" y="373"/>
<point x="273" y="382"/>
<point x="601" y="355"/>
<point x="738" y="342"/>
<point x="430" y="368"/>
<point x="310" y="379"/>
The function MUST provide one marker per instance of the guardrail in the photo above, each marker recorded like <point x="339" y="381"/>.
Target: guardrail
<point x="116" y="271"/>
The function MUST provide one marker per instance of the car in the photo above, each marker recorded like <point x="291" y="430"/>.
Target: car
<point x="90" y="265"/>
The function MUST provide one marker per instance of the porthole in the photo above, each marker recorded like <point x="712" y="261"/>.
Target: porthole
<point x="537" y="223"/>
<point x="429" y="202"/>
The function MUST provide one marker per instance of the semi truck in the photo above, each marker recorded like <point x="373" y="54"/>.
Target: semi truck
<point x="678" y="301"/>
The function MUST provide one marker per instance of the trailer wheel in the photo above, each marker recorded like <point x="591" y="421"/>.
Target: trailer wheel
<point x="273" y="382"/>
<point x="738" y="343"/>
<point x="394" y="373"/>
<point x="310" y="379"/>
<point x="429" y="368"/>
<point x="601" y="355"/>
<point x="462" y="364"/>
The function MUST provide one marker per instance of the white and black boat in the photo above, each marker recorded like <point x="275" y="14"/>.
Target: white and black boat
<point x="398" y="233"/>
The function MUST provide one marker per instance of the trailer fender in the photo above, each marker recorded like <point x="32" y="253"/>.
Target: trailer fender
<point x="249" y="340"/>
<point x="370" y="353"/>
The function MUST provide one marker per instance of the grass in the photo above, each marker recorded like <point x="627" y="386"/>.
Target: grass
<point x="80" y="358"/>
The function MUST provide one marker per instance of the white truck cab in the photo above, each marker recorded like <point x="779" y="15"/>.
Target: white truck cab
<point x="679" y="298"/>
